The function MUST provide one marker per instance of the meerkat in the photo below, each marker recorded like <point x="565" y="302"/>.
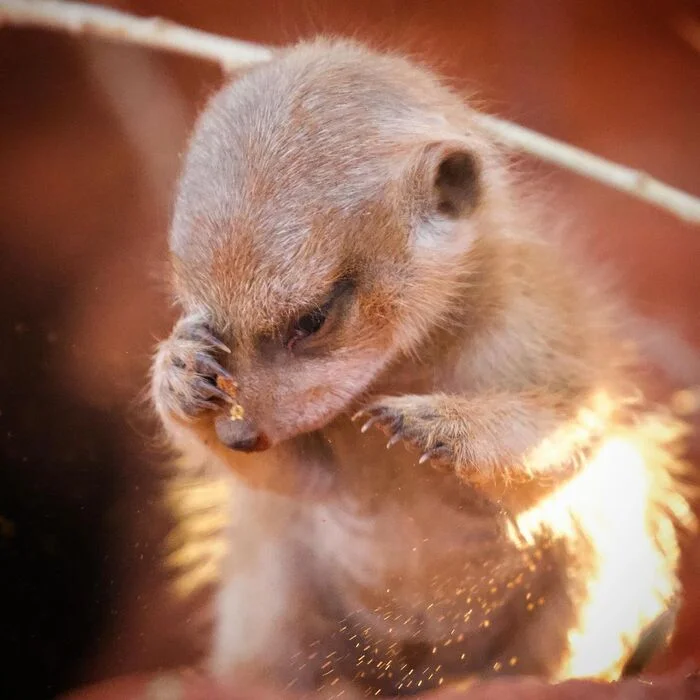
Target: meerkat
<point x="348" y="243"/>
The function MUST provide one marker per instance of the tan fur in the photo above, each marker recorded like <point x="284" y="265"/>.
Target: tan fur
<point x="546" y="542"/>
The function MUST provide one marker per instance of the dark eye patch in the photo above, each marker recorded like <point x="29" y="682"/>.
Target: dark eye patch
<point x="313" y="321"/>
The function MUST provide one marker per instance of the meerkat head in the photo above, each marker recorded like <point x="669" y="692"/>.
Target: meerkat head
<point x="328" y="219"/>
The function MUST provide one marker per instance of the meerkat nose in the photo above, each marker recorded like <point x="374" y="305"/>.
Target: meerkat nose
<point x="241" y="435"/>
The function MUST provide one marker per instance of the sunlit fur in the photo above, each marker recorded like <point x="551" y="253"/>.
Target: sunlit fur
<point x="627" y="501"/>
<point x="548" y="538"/>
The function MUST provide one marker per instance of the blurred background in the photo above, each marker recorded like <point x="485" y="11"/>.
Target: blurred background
<point x="92" y="134"/>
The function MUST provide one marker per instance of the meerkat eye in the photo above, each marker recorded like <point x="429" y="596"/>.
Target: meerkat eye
<point x="307" y="325"/>
<point x="310" y="323"/>
<point x="313" y="321"/>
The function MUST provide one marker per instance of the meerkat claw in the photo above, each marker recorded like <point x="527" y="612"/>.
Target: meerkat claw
<point x="439" y="452"/>
<point x="393" y="440"/>
<point x="205" y="364"/>
<point x="209" y="338"/>
<point x="369" y="424"/>
<point x="212" y="390"/>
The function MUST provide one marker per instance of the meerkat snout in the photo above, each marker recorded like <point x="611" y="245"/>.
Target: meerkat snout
<point x="241" y="435"/>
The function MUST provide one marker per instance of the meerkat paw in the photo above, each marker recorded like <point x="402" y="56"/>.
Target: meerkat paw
<point x="185" y="371"/>
<point x="420" y="422"/>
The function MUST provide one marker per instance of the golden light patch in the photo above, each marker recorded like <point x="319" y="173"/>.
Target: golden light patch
<point x="625" y="503"/>
<point x="196" y="547"/>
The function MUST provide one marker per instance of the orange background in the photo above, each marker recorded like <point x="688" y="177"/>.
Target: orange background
<point x="91" y="139"/>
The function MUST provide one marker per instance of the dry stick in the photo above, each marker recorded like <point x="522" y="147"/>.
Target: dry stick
<point x="634" y="182"/>
<point x="79" y="18"/>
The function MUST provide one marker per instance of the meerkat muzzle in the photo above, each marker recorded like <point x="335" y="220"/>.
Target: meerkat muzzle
<point x="241" y="435"/>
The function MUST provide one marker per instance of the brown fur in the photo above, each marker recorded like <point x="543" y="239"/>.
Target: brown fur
<point x="461" y="332"/>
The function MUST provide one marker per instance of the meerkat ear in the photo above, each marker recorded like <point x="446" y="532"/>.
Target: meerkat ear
<point x="450" y="179"/>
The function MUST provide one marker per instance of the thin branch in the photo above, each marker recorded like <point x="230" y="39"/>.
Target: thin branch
<point x="155" y="32"/>
<point x="77" y="18"/>
<point x="633" y="182"/>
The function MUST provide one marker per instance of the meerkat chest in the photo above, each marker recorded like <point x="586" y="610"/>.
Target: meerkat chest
<point x="420" y="586"/>
<point x="390" y="577"/>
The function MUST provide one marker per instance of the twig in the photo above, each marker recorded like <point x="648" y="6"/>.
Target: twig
<point x="79" y="18"/>
<point x="632" y="182"/>
<point x="158" y="33"/>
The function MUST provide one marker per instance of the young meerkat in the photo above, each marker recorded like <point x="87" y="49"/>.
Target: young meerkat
<point x="347" y="239"/>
